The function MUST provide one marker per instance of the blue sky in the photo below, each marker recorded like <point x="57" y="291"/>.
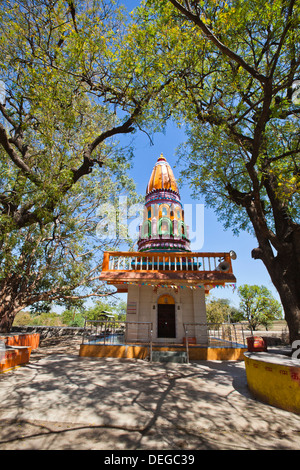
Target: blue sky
<point x="246" y="270"/>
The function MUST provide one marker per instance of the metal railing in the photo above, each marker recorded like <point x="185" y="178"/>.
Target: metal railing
<point x="156" y="261"/>
<point x="214" y="335"/>
<point x="114" y="332"/>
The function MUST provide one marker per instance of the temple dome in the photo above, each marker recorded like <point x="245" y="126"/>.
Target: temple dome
<point x="163" y="227"/>
<point x="162" y="177"/>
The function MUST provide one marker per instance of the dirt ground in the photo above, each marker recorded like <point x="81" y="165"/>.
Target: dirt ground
<point x="62" y="402"/>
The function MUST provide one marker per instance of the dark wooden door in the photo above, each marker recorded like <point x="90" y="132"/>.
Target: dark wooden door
<point x="166" y="321"/>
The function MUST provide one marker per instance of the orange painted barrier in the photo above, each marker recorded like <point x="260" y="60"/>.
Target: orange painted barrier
<point x="13" y="357"/>
<point x="117" y="351"/>
<point x="141" y="352"/>
<point x="22" y="339"/>
<point x="191" y="340"/>
<point x="17" y="349"/>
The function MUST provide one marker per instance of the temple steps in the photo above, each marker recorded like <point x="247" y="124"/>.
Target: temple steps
<point x="169" y="356"/>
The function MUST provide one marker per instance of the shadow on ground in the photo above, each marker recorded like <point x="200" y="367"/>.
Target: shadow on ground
<point x="62" y="401"/>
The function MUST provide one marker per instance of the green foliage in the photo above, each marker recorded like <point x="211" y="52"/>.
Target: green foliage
<point x="73" y="317"/>
<point x="111" y="306"/>
<point x="219" y="93"/>
<point x="233" y="68"/>
<point x="40" y="307"/>
<point x="65" y="99"/>
<point x="217" y="311"/>
<point x="23" y="319"/>
<point x="121" y="310"/>
<point x="258" y="306"/>
<point x="42" y="319"/>
<point x="100" y="308"/>
<point x="220" y="311"/>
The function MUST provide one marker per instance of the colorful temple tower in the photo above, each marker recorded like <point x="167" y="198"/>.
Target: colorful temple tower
<point x="163" y="227"/>
<point x="166" y="282"/>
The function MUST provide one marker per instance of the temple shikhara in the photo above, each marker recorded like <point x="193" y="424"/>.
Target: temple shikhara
<point x="166" y="283"/>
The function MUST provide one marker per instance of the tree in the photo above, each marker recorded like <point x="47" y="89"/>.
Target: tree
<point x="236" y="315"/>
<point x="218" y="311"/>
<point x="259" y="306"/>
<point x="121" y="310"/>
<point x="64" y="86"/>
<point x="73" y="317"/>
<point x="235" y="66"/>
<point x="99" y="309"/>
<point x="24" y="318"/>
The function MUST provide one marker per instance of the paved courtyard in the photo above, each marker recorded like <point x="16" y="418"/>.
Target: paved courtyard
<point x="62" y="401"/>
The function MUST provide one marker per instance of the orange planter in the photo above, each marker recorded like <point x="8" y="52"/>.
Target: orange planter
<point x="22" y="339"/>
<point x="13" y="357"/>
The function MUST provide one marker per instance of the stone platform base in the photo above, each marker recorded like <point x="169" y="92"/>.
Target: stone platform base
<point x="142" y="352"/>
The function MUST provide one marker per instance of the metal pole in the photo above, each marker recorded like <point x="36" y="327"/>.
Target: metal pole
<point x="151" y="343"/>
<point x="83" y="336"/>
<point x="187" y="346"/>
<point x="105" y="324"/>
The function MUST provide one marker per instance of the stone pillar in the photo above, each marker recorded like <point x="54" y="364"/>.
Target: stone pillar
<point x="200" y="315"/>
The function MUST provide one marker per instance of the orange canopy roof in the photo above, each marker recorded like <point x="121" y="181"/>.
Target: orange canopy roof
<point x="162" y="177"/>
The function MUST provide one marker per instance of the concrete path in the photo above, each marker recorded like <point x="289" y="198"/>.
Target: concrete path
<point x="63" y="401"/>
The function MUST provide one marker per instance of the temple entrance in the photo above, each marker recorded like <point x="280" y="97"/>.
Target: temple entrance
<point x="166" y="324"/>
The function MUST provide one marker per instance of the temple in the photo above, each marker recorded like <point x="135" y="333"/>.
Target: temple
<point x="166" y="282"/>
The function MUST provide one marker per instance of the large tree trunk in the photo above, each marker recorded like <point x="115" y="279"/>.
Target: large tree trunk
<point x="10" y="302"/>
<point x="8" y="310"/>
<point x="279" y="249"/>
<point x="7" y="316"/>
<point x="286" y="281"/>
<point x="292" y="313"/>
<point x="285" y="275"/>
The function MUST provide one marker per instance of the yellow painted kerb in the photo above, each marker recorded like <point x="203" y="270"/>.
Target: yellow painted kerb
<point x="274" y="382"/>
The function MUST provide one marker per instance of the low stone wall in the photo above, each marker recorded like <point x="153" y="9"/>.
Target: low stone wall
<point x="274" y="379"/>
<point x="273" y="338"/>
<point x="49" y="331"/>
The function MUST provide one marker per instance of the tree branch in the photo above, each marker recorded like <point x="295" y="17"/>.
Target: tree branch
<point x="224" y="49"/>
<point x="283" y="36"/>
<point x="27" y="171"/>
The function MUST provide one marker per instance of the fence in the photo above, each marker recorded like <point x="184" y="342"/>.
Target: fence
<point x="113" y="332"/>
<point x="156" y="261"/>
<point x="214" y="335"/>
<point x="116" y="332"/>
<point x="230" y="335"/>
